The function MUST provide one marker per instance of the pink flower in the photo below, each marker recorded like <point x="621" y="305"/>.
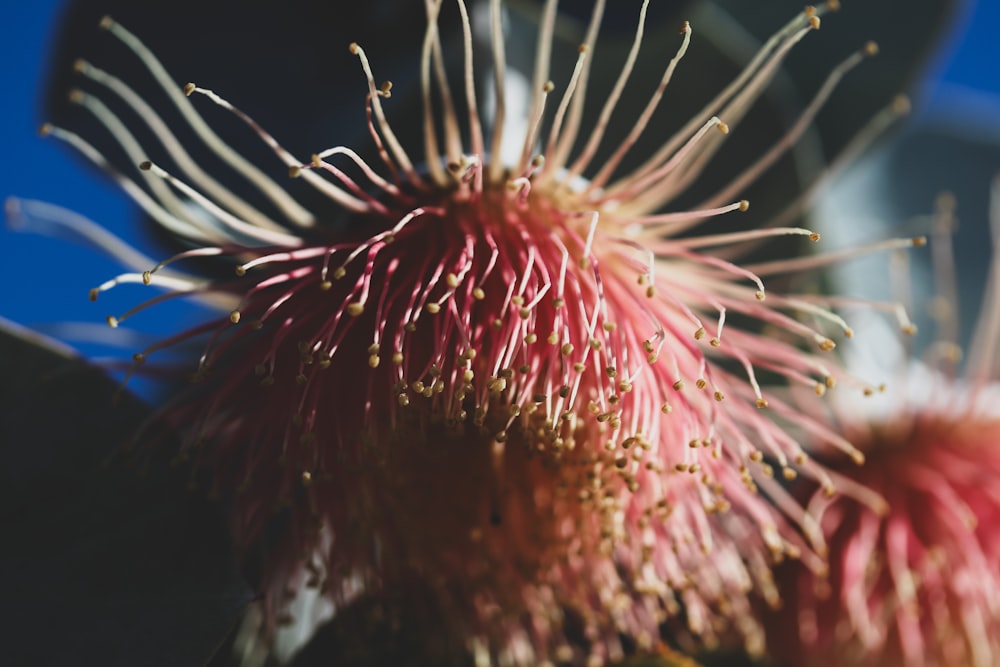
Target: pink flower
<point x="914" y="576"/>
<point x="503" y="395"/>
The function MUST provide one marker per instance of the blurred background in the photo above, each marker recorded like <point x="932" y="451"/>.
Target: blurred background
<point x="46" y="280"/>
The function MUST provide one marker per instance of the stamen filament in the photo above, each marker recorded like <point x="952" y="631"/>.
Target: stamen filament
<point x="826" y="259"/>
<point x="43" y="218"/>
<point x="568" y="137"/>
<point x="602" y="177"/>
<point x="194" y="229"/>
<point x="390" y="137"/>
<point x="225" y="217"/>
<point x="597" y="134"/>
<point x="348" y="202"/>
<point x="174" y="147"/>
<point x="771" y="50"/>
<point x="431" y="54"/>
<point x="295" y="212"/>
<point x="500" y="90"/>
<point x="475" y="126"/>
<point x="805" y="119"/>
<point x="739" y="237"/>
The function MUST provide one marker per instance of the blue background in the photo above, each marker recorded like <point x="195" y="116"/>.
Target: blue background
<point x="45" y="281"/>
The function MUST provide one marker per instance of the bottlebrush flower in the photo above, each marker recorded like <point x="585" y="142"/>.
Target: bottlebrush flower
<point x="498" y="405"/>
<point x="914" y="577"/>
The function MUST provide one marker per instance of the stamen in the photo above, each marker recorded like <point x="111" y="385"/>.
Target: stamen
<point x="848" y="487"/>
<point x="629" y="192"/>
<point x="295" y="212"/>
<point x="500" y="89"/>
<point x="777" y="318"/>
<point x="132" y="149"/>
<point x="179" y="285"/>
<point x="764" y="162"/>
<point x="531" y="134"/>
<point x="345" y="200"/>
<point x="818" y="311"/>
<point x="373" y="132"/>
<point x="661" y="222"/>
<point x="543" y="56"/>
<point x="823" y="433"/>
<point x="431" y="53"/>
<point x="588" y="245"/>
<point x="717" y="341"/>
<point x="43" y="218"/>
<point x="186" y="289"/>
<point x="195" y="229"/>
<point x="475" y="127"/>
<point x="943" y="266"/>
<point x="897" y="309"/>
<point x="557" y="120"/>
<point x="390" y="137"/>
<point x="984" y="350"/>
<point x="568" y="138"/>
<point x="522" y="184"/>
<point x="739" y="237"/>
<point x="597" y="134"/>
<point x="601" y="178"/>
<point x="280" y="257"/>
<point x="225" y="217"/>
<point x="372" y="175"/>
<point x="860" y="142"/>
<point x="900" y="287"/>
<point x="826" y="259"/>
<point x="174" y="147"/>
<point x="319" y="163"/>
<point x="752" y="79"/>
<point x="747" y="272"/>
<point x="188" y="334"/>
<point x="649" y="274"/>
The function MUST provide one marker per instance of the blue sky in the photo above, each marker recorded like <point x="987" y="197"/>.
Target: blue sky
<point x="46" y="281"/>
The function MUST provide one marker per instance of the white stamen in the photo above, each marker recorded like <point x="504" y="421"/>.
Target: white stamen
<point x="597" y="134"/>
<point x="44" y="218"/>
<point x="225" y="217"/>
<point x="557" y="120"/>
<point x="190" y="228"/>
<point x="568" y="137"/>
<point x="390" y="137"/>
<point x="753" y="172"/>
<point x="986" y="337"/>
<point x="475" y="127"/>
<point x="334" y="193"/>
<point x="174" y="147"/>
<point x="739" y="237"/>
<point x="826" y="259"/>
<point x="500" y="88"/>
<point x="268" y="187"/>
<point x="431" y="54"/>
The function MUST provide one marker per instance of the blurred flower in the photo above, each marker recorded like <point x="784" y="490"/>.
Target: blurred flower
<point x="913" y="574"/>
<point x="489" y="401"/>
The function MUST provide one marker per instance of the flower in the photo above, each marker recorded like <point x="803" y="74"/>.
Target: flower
<point x="489" y="391"/>
<point x="913" y="578"/>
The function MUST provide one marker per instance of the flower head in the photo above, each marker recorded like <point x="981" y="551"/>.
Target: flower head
<point x="913" y="576"/>
<point x="502" y="391"/>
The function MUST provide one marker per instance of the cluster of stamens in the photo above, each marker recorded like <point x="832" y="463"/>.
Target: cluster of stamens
<point x="506" y="380"/>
